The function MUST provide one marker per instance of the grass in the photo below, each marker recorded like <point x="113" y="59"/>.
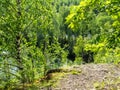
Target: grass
<point x="109" y="84"/>
<point x="56" y="76"/>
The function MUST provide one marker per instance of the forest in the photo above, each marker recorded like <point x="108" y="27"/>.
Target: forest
<point x="37" y="36"/>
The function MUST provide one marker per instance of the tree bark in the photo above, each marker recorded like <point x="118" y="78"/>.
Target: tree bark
<point x="18" y="35"/>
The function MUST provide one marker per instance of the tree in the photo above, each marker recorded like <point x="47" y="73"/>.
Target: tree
<point x="20" y="20"/>
<point x="93" y="20"/>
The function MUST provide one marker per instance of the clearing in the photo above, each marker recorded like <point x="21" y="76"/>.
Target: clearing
<point x="88" y="77"/>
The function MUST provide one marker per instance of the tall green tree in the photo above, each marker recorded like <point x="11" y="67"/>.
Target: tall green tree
<point x="95" y="22"/>
<point x="20" y="21"/>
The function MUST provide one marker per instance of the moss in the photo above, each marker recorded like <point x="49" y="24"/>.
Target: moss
<point x="109" y="85"/>
<point x="53" y="76"/>
<point x="75" y="72"/>
<point x="53" y="79"/>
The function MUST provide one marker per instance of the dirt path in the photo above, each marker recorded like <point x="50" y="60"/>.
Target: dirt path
<point x="92" y="77"/>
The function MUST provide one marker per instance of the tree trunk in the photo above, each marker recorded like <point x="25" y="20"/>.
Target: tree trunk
<point x="18" y="35"/>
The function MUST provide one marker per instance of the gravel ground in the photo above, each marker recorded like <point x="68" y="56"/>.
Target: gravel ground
<point x="92" y="77"/>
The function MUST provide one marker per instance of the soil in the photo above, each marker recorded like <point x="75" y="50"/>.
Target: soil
<point x="92" y="77"/>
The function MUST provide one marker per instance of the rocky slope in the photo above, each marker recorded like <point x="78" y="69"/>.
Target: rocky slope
<point x="92" y="77"/>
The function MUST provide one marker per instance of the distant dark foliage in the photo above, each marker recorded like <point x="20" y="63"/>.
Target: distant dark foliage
<point x="87" y="56"/>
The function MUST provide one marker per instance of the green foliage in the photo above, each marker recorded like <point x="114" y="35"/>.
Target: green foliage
<point x="19" y="23"/>
<point x="56" y="56"/>
<point x="108" y="56"/>
<point x="97" y="23"/>
<point x="79" y="45"/>
<point x="78" y="61"/>
<point x="78" y="48"/>
<point x="38" y="35"/>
